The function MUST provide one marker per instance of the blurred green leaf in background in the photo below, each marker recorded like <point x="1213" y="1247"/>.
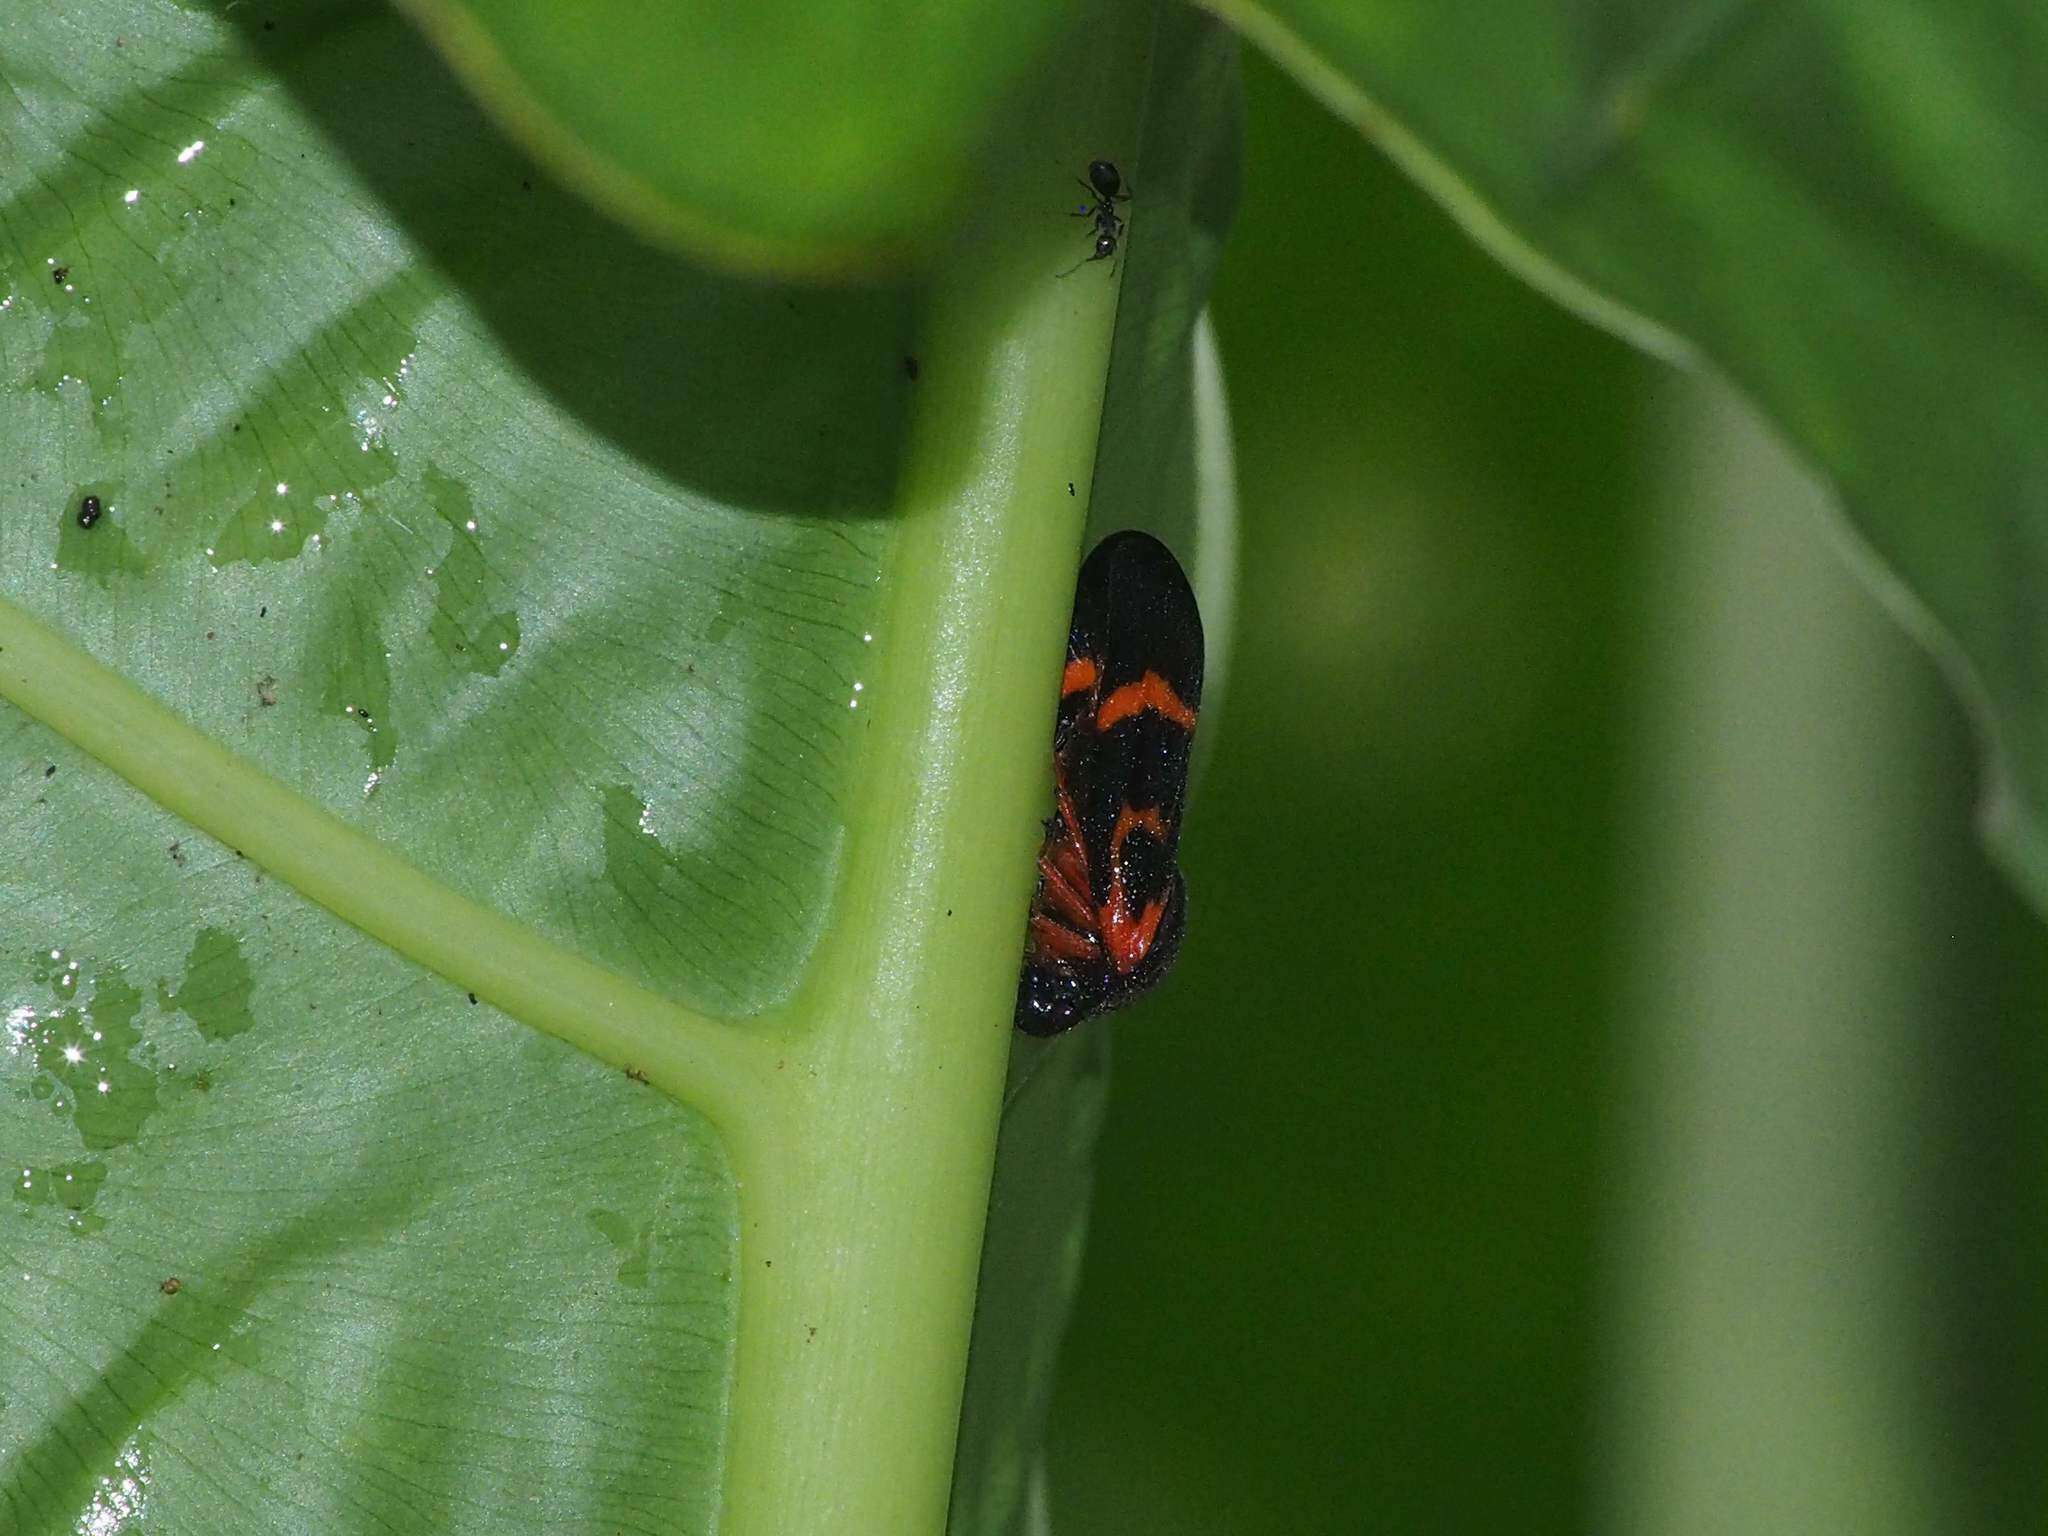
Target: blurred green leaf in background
<point x="1600" y="1096"/>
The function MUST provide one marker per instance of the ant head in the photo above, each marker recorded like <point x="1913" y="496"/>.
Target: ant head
<point x="1104" y="178"/>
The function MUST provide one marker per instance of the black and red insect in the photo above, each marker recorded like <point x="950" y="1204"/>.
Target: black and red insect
<point x="1111" y="905"/>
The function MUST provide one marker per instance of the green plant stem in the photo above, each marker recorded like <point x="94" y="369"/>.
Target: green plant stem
<point x="861" y="1237"/>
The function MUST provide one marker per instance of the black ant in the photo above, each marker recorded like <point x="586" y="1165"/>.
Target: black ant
<point x="1105" y="189"/>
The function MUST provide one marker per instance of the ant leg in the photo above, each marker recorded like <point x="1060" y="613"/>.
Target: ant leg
<point x="1100" y="255"/>
<point x="1108" y="256"/>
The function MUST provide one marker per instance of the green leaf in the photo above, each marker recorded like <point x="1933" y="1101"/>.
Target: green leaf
<point x="797" y="139"/>
<point x="521" y="803"/>
<point x="1037" y="1223"/>
<point x="1841" y="208"/>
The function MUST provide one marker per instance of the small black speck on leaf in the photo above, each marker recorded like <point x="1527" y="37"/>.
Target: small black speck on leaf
<point x="911" y="368"/>
<point x="88" y="511"/>
<point x="60" y="275"/>
<point x="472" y="998"/>
<point x="50" y="772"/>
<point x="172" y="1286"/>
<point x="1070" y="487"/>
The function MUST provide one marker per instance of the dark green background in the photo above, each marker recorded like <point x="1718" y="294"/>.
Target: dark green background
<point x="1356" y="1238"/>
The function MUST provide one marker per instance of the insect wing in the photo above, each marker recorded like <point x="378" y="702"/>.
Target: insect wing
<point x="1111" y="903"/>
<point x="1135" y="619"/>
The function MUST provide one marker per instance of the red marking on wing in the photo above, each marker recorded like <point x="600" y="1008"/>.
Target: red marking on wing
<point x="1063" y="911"/>
<point x="1063" y="886"/>
<point x="1149" y="692"/>
<point x="1069" y="818"/>
<point x="1081" y="675"/>
<point x="1128" y="939"/>
<point x="1053" y="940"/>
<point x="1126" y="819"/>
